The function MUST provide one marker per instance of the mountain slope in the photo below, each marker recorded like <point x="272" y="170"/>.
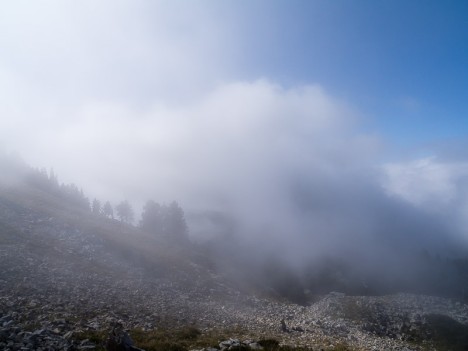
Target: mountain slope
<point x="67" y="274"/>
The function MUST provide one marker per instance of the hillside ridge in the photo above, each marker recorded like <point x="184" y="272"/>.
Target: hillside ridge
<point x="67" y="274"/>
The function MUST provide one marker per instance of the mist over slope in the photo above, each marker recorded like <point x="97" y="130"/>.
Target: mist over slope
<point x="76" y="272"/>
<point x="281" y="137"/>
<point x="268" y="171"/>
<point x="334" y="239"/>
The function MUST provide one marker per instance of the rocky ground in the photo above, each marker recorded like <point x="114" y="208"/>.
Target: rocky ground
<point x="60" y="281"/>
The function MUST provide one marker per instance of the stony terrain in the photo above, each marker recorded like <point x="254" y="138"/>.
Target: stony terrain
<point x="60" y="280"/>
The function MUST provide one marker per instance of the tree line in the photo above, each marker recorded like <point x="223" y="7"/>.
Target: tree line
<point x="161" y="220"/>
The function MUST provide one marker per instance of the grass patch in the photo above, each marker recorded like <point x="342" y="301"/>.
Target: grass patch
<point x="269" y="344"/>
<point x="191" y="338"/>
<point x="446" y="333"/>
<point x="9" y="235"/>
<point x="171" y="339"/>
<point x="274" y="345"/>
<point x="341" y="347"/>
<point x="357" y="312"/>
<point x="97" y="337"/>
<point x="441" y="331"/>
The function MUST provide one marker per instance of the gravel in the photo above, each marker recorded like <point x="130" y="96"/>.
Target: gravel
<point x="58" y="281"/>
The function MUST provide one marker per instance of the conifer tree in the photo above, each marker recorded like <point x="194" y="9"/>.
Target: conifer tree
<point x="96" y="207"/>
<point x="125" y="212"/>
<point x="107" y="210"/>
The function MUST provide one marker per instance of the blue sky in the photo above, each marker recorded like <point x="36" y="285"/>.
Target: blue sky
<point x="404" y="63"/>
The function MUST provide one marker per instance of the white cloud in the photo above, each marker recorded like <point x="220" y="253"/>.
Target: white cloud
<point x="69" y="52"/>
<point x="240" y="133"/>
<point x="426" y="182"/>
<point x="437" y="186"/>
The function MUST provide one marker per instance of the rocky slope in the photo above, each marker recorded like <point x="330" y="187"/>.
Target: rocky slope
<point x="65" y="274"/>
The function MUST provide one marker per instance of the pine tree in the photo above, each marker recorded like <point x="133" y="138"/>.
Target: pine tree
<point x="175" y="226"/>
<point x="96" y="208"/>
<point x="152" y="218"/>
<point x="125" y="212"/>
<point x="107" y="210"/>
